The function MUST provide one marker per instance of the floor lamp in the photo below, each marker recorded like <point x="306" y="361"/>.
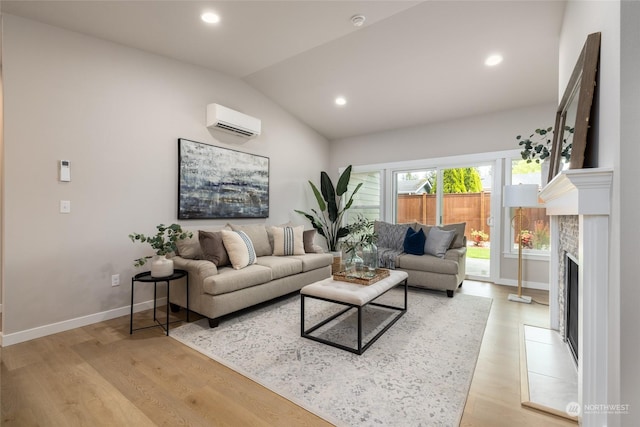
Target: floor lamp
<point x="520" y="196"/>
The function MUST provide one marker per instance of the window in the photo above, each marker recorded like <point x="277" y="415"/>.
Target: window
<point x="535" y="234"/>
<point x="367" y="200"/>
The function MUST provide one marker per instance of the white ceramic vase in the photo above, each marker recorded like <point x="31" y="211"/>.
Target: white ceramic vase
<point x="161" y="266"/>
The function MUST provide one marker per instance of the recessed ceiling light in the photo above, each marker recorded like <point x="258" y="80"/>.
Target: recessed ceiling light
<point x="493" y="60"/>
<point x="341" y="100"/>
<point x="210" y="18"/>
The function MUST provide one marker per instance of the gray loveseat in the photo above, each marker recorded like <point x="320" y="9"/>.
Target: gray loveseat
<point x="215" y="291"/>
<point x="445" y="272"/>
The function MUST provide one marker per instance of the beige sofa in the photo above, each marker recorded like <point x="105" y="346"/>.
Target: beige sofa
<point x="215" y="291"/>
<point x="425" y="271"/>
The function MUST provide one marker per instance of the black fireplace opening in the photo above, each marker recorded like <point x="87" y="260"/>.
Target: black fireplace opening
<point x="571" y="301"/>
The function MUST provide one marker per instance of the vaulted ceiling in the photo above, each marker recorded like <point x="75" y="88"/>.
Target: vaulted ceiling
<point x="411" y="63"/>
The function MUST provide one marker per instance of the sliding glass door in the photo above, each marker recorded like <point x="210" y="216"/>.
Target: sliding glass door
<point x="447" y="195"/>
<point x="466" y="197"/>
<point x="415" y="201"/>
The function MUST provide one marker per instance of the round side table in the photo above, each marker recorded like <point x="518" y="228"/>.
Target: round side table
<point x="146" y="277"/>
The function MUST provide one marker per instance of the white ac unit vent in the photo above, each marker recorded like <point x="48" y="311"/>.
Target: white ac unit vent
<point x="227" y="120"/>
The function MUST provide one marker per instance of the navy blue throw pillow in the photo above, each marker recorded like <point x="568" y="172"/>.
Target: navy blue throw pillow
<point x="414" y="242"/>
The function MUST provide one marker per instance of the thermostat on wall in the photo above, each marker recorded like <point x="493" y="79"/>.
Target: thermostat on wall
<point x="65" y="170"/>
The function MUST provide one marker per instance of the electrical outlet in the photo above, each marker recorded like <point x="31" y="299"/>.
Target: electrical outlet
<point x="115" y="280"/>
<point x="65" y="206"/>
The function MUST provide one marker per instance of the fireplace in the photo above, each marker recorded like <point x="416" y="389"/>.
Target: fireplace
<point x="571" y="305"/>
<point x="587" y="194"/>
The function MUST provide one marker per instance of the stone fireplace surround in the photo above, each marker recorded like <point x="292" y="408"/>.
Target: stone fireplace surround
<point x="585" y="193"/>
<point x="568" y="227"/>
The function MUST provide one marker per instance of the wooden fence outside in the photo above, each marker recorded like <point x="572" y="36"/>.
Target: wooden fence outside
<point x="472" y="208"/>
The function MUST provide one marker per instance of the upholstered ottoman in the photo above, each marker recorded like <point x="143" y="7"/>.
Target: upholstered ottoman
<point x="353" y="296"/>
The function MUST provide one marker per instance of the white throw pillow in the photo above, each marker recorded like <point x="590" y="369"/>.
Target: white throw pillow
<point x="239" y="247"/>
<point x="288" y="240"/>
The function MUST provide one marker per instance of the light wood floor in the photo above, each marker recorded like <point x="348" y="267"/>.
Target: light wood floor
<point x="99" y="375"/>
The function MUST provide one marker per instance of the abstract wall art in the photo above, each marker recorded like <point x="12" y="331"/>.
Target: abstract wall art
<point x="217" y="182"/>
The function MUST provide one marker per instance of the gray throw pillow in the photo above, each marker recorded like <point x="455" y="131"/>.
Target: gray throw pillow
<point x="459" y="227"/>
<point x="391" y="235"/>
<point x="213" y="248"/>
<point x="189" y="248"/>
<point x="438" y="242"/>
<point x="258" y="235"/>
<point x="309" y="237"/>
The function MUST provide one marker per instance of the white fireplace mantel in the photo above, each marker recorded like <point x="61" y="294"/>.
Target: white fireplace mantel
<point x="586" y="193"/>
<point x="579" y="192"/>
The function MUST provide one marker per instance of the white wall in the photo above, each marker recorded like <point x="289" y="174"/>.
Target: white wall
<point x="116" y="113"/>
<point x="479" y="134"/>
<point x="582" y="18"/>
<point x="629" y="208"/>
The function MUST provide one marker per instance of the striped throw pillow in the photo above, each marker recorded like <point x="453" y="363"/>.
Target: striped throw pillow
<point x="288" y="240"/>
<point x="239" y="247"/>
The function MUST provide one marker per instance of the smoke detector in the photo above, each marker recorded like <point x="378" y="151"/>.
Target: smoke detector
<point x="358" y="20"/>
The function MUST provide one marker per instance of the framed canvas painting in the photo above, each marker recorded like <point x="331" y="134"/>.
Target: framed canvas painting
<point x="216" y="182"/>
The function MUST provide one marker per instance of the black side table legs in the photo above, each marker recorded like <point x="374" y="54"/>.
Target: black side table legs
<point x="147" y="278"/>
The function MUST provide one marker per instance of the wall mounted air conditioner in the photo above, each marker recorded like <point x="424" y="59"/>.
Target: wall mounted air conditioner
<point x="231" y="121"/>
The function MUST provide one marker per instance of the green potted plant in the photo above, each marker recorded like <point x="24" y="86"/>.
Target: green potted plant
<point x="360" y="244"/>
<point x="537" y="147"/>
<point x="164" y="242"/>
<point x="327" y="219"/>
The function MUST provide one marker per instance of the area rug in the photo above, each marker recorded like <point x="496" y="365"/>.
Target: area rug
<point x="417" y="374"/>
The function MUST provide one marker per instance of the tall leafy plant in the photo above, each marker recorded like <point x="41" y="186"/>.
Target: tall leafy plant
<point x="327" y="219"/>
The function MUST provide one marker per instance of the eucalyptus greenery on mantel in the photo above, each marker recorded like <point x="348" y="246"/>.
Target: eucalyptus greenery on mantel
<point x="537" y="146"/>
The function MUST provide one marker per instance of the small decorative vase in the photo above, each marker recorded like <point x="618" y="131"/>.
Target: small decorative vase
<point x="370" y="255"/>
<point x="354" y="262"/>
<point x="161" y="266"/>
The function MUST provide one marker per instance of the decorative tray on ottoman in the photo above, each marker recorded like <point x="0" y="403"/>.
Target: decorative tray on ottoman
<point x="361" y="277"/>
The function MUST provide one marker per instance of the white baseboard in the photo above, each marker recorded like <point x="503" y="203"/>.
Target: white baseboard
<point x="42" y="331"/>
<point x="525" y="285"/>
